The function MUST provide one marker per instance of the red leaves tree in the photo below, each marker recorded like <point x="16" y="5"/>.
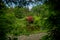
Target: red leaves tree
<point x="30" y="19"/>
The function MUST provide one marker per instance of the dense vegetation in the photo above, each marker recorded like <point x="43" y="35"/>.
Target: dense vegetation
<point x="19" y="23"/>
<point x="13" y="21"/>
<point x="54" y="34"/>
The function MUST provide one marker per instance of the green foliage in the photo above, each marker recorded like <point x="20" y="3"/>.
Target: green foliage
<point x="5" y="25"/>
<point x="16" y="23"/>
<point x="49" y="20"/>
<point x="54" y="19"/>
<point x="21" y="26"/>
<point x="20" y="12"/>
<point x="13" y="21"/>
<point x="44" y="14"/>
<point x="46" y="37"/>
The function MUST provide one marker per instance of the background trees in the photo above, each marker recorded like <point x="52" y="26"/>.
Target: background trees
<point x="21" y="3"/>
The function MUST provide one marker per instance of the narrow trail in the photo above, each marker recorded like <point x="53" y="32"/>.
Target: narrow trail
<point x="32" y="36"/>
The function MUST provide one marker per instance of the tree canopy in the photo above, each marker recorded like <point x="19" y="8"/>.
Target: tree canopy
<point x="21" y="3"/>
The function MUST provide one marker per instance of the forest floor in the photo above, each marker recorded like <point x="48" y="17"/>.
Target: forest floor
<point x="32" y="36"/>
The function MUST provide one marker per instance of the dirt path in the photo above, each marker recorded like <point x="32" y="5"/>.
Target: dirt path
<point x="32" y="36"/>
